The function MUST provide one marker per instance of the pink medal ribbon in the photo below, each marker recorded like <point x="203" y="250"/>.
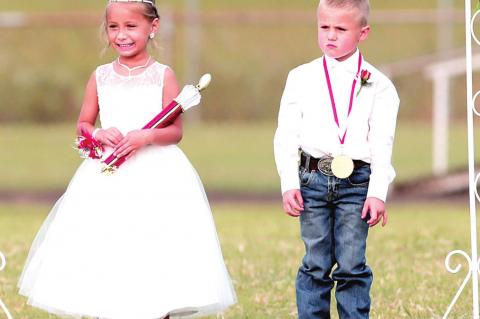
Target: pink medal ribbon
<point x="332" y="97"/>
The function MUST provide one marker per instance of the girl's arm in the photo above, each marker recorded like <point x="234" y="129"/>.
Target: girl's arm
<point x="88" y="116"/>
<point x="171" y="134"/>
<point x="89" y="111"/>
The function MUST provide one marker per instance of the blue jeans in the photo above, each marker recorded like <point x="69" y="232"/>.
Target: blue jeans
<point x="334" y="234"/>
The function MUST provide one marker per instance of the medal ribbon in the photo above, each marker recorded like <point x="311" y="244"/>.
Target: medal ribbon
<point x="332" y="97"/>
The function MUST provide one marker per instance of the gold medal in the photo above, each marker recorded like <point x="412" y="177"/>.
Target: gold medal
<point x="342" y="166"/>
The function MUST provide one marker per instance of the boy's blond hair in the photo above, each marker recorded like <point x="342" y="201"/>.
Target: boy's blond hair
<point x="361" y="5"/>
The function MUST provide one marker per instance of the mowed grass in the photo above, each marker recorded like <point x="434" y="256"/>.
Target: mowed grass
<point x="263" y="250"/>
<point x="230" y="157"/>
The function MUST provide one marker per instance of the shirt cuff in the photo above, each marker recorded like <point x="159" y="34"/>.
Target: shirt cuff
<point x="290" y="182"/>
<point x="378" y="189"/>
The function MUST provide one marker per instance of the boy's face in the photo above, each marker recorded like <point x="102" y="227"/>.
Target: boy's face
<point x="339" y="31"/>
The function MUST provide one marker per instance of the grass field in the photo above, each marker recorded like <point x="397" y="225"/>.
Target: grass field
<point x="230" y="157"/>
<point x="263" y="251"/>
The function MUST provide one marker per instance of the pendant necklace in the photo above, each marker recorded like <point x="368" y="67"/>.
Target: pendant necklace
<point x="130" y="70"/>
<point x="342" y="165"/>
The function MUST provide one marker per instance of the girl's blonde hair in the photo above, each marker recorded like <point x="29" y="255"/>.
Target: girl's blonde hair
<point x="362" y="5"/>
<point x="150" y="12"/>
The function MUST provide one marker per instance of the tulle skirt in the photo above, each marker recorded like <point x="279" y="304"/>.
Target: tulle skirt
<point x="138" y="244"/>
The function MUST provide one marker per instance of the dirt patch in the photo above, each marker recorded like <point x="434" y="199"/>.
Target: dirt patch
<point x="50" y="197"/>
<point x="451" y="187"/>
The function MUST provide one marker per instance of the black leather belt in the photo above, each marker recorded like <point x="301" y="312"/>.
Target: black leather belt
<point x="323" y="164"/>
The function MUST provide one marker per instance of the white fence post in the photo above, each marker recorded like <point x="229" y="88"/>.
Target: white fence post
<point x="441" y="98"/>
<point x="168" y="30"/>
<point x="192" y="49"/>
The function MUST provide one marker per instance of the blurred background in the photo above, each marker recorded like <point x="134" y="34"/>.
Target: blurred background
<point x="49" y="48"/>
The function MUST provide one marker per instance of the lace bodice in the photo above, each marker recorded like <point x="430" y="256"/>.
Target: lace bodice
<point x="129" y="102"/>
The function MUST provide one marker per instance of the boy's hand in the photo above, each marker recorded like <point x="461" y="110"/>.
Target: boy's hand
<point x="293" y="202"/>
<point x="132" y="142"/>
<point x="376" y="208"/>
<point x="110" y="137"/>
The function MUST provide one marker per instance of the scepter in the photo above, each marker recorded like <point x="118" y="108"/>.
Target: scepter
<point x="189" y="97"/>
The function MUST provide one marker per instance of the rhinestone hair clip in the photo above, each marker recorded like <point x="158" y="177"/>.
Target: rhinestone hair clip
<point x="141" y="1"/>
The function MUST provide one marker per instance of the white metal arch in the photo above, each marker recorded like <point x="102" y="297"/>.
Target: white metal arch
<point x="3" y="264"/>
<point x="473" y="261"/>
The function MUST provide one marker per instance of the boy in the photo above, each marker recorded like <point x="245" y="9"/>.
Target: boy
<point x="333" y="151"/>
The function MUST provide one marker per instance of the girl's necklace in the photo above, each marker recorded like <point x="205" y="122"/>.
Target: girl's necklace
<point x="130" y="70"/>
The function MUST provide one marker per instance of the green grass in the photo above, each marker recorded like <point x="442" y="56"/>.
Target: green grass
<point x="230" y="157"/>
<point x="262" y="250"/>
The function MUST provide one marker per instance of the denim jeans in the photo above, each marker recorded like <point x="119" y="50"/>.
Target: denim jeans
<point x="334" y="234"/>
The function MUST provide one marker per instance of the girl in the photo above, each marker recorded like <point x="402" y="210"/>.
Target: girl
<point x="141" y="243"/>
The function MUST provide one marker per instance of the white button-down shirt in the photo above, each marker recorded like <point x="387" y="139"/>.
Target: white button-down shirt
<point x="306" y="120"/>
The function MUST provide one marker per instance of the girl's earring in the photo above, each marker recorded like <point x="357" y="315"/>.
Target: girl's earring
<point x="152" y="35"/>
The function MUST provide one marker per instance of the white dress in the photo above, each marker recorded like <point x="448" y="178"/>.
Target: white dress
<point x="138" y="244"/>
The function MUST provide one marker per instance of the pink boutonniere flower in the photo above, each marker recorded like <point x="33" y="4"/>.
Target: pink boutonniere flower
<point x="364" y="77"/>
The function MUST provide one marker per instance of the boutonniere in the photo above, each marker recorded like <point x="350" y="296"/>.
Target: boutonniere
<point x="364" y="77"/>
<point x="88" y="147"/>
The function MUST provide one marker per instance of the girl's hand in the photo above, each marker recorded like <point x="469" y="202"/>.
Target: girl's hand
<point x="110" y="137"/>
<point x="132" y="142"/>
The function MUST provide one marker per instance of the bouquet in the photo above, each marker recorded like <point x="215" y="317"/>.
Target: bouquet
<point x="88" y="147"/>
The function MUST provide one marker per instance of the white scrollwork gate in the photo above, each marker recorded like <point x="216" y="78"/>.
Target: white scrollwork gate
<point x="3" y="264"/>
<point x="473" y="261"/>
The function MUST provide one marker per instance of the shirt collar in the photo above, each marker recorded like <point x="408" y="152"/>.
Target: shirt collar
<point x="350" y="65"/>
